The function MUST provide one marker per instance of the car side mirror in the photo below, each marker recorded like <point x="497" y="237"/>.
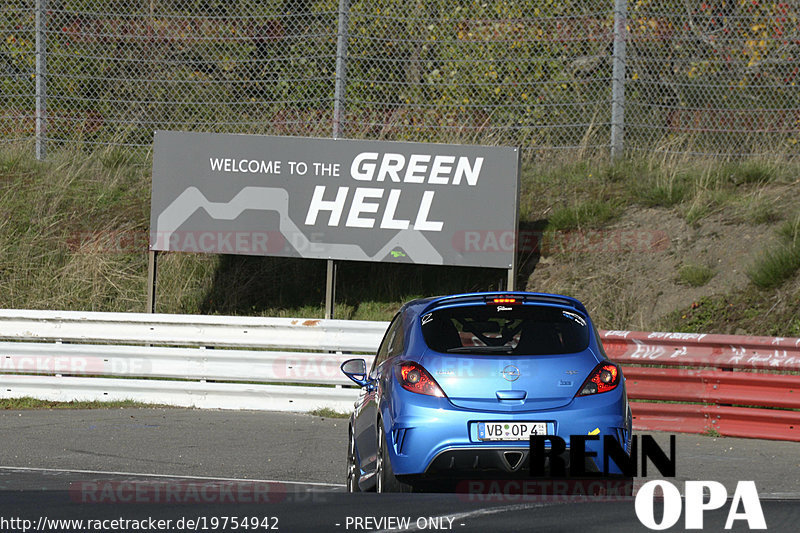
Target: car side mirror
<point x="356" y="370"/>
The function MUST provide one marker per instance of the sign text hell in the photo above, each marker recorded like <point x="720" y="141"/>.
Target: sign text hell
<point x="371" y="205"/>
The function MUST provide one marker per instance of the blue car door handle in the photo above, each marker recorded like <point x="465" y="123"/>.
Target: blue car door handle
<point x="511" y="394"/>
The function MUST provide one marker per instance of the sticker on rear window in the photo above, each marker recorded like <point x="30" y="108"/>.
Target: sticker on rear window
<point x="577" y="318"/>
<point x="427" y="318"/>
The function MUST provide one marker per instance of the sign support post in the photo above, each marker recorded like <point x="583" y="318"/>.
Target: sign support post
<point x="330" y="288"/>
<point x="152" y="266"/>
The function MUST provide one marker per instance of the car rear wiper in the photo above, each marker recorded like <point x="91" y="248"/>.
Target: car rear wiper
<point x="478" y="349"/>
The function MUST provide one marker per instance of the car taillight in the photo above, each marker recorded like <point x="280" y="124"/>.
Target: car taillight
<point x="414" y="378"/>
<point x="605" y="377"/>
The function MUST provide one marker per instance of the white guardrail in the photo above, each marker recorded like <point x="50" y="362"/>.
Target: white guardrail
<point x="183" y="360"/>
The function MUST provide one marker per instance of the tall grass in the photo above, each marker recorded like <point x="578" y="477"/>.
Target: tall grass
<point x="587" y="214"/>
<point x="592" y="192"/>
<point x="60" y="216"/>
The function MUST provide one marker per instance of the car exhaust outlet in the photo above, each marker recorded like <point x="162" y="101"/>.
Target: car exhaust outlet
<point x="513" y="459"/>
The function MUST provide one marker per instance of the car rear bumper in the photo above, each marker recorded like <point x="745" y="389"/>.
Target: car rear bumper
<point x="431" y="436"/>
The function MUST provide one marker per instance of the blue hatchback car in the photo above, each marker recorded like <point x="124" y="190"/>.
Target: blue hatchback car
<point x="460" y="383"/>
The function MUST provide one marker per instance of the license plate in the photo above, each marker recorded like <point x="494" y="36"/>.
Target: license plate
<point x="520" y="431"/>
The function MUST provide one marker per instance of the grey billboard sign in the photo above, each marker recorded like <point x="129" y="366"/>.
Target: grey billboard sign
<point x="334" y="199"/>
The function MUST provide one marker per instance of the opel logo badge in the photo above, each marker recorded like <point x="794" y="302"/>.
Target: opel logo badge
<point x="510" y="373"/>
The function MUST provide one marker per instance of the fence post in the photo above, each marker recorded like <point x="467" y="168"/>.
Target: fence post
<point x="41" y="79"/>
<point x="340" y="87"/>
<point x="339" y="99"/>
<point x="619" y="60"/>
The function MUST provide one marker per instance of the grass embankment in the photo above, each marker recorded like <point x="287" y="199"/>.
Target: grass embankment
<point x="27" y="403"/>
<point x="73" y="235"/>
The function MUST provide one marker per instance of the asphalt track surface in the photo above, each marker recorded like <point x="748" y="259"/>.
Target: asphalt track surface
<point x="287" y="470"/>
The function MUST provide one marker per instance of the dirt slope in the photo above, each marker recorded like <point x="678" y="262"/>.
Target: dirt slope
<point x="628" y="272"/>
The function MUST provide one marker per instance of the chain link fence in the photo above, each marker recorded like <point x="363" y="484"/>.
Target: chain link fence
<point x="17" y="71"/>
<point x="715" y="77"/>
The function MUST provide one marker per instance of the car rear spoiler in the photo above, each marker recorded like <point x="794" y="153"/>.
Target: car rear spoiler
<point x="525" y="297"/>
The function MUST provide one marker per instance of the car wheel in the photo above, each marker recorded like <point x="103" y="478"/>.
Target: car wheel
<point x="352" y="469"/>
<point x="385" y="480"/>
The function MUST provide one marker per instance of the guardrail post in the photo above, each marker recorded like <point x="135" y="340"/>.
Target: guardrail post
<point x="41" y="79"/>
<point x="619" y="60"/>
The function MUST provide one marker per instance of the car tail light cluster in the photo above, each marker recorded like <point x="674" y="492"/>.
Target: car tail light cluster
<point x="605" y="377"/>
<point x="414" y="378"/>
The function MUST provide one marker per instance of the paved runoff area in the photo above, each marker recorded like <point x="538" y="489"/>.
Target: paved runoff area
<point x="128" y="469"/>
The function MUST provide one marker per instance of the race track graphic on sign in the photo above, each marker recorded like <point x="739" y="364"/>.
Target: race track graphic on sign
<point x="271" y="199"/>
<point x="334" y="199"/>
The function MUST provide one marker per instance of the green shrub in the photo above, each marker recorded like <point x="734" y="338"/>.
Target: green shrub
<point x="695" y="275"/>
<point x="775" y="266"/>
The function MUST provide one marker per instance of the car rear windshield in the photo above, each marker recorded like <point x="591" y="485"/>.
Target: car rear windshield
<point x="504" y="330"/>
